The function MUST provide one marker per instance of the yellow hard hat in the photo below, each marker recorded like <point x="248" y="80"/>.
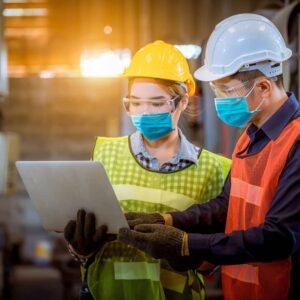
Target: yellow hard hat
<point x="163" y="61"/>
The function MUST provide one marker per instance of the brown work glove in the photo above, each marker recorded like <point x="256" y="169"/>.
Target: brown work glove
<point x="160" y="241"/>
<point x="135" y="218"/>
<point x="83" y="235"/>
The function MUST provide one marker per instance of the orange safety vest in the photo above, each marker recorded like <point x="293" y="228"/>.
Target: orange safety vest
<point x="254" y="178"/>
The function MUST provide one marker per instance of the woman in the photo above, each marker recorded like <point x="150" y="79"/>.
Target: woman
<point x="156" y="169"/>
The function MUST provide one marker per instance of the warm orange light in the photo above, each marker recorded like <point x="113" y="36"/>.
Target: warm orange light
<point x="189" y="51"/>
<point x="25" y="12"/>
<point x="104" y="64"/>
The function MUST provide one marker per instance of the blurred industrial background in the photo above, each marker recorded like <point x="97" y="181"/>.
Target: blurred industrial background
<point x="60" y="62"/>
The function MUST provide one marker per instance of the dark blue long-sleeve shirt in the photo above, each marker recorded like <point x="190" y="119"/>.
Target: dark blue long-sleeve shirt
<point x="278" y="237"/>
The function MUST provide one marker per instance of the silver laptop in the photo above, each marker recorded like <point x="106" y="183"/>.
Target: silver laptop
<point x="58" y="189"/>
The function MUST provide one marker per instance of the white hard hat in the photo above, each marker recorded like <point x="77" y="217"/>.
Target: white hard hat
<point x="243" y="42"/>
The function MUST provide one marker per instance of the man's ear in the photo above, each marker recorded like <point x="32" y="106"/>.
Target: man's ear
<point x="265" y="87"/>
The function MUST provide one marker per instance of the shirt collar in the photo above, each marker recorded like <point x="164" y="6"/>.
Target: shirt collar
<point x="138" y="146"/>
<point x="187" y="150"/>
<point x="273" y="127"/>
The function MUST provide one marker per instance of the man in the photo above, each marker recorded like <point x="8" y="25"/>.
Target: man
<point x="252" y="228"/>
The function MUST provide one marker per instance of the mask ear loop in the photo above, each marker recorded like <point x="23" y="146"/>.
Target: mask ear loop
<point x="252" y="89"/>
<point x="176" y="101"/>
<point x="261" y="102"/>
<point x="259" y="105"/>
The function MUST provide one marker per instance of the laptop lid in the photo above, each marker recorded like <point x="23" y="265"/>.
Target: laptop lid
<point x="58" y="189"/>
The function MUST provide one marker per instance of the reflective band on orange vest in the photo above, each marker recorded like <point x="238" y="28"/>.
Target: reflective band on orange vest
<point x="249" y="192"/>
<point x="245" y="272"/>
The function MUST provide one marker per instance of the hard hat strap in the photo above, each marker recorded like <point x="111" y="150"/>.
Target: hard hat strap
<point x="183" y="85"/>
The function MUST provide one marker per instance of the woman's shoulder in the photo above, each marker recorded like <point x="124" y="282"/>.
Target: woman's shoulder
<point x="100" y="140"/>
<point x="107" y="144"/>
<point x="219" y="160"/>
<point x="215" y="155"/>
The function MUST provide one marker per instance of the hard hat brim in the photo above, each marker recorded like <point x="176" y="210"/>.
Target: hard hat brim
<point x="203" y="74"/>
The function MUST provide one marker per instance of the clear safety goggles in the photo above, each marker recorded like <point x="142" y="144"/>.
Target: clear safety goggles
<point x="135" y="106"/>
<point x="239" y="90"/>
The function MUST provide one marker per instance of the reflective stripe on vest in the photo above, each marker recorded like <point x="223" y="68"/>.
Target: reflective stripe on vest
<point x="173" y="281"/>
<point x="254" y="179"/>
<point x="137" y="271"/>
<point x="245" y="273"/>
<point x="251" y="193"/>
<point x="145" y="194"/>
<point x="142" y="270"/>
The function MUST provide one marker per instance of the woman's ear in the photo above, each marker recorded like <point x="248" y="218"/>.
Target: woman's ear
<point x="183" y="103"/>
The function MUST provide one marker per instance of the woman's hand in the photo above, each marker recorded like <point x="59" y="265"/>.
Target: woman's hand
<point x="83" y="235"/>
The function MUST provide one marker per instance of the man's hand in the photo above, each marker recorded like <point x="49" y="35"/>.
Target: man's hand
<point x="134" y="218"/>
<point x="83" y="235"/>
<point x="160" y="241"/>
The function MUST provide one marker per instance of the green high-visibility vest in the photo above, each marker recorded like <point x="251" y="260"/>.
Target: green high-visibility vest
<point x="120" y="271"/>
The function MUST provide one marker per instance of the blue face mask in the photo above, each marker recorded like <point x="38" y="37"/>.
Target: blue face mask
<point x="234" y="111"/>
<point x="153" y="126"/>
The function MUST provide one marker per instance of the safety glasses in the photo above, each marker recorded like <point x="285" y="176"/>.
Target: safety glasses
<point x="222" y="91"/>
<point x="134" y="106"/>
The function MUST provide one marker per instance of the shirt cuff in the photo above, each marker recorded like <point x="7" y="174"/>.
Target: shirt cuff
<point x="175" y="216"/>
<point x="199" y="244"/>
